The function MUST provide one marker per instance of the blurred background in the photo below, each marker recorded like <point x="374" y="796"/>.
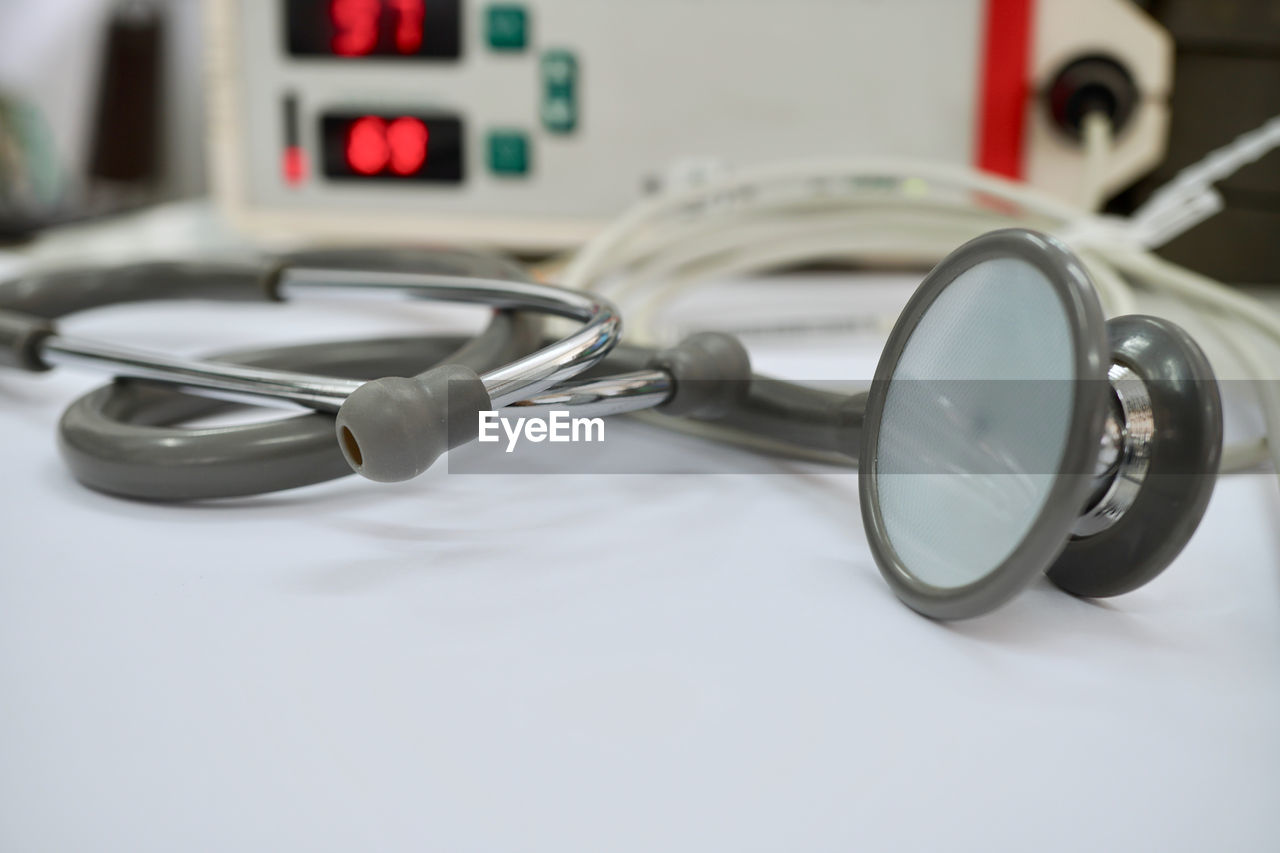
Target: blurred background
<point x="104" y="105"/>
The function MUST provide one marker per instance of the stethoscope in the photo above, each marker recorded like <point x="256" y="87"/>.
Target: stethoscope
<point x="1009" y="430"/>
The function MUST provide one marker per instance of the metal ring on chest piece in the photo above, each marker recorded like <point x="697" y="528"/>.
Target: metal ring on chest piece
<point x="984" y="424"/>
<point x="1125" y="454"/>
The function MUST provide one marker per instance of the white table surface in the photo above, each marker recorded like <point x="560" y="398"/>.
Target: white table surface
<point x="529" y="662"/>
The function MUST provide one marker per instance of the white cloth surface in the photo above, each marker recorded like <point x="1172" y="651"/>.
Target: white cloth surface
<point x="521" y="662"/>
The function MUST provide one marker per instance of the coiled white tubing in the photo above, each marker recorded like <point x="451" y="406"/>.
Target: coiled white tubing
<point x="760" y="219"/>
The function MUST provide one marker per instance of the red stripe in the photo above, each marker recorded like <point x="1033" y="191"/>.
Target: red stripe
<point x="1006" y="59"/>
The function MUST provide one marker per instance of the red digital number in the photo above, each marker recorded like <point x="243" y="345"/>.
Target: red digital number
<point x="407" y="139"/>
<point x="367" y="150"/>
<point x="409" y="18"/>
<point x="355" y="24"/>
<point x="374" y="145"/>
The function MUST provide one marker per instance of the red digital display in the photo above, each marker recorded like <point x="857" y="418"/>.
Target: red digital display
<point x="396" y="147"/>
<point x="426" y="29"/>
<point x="375" y="145"/>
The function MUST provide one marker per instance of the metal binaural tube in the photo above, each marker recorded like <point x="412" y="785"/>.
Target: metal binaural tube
<point x="505" y="385"/>
<point x="219" y="380"/>
<point x="601" y="330"/>
<point x="613" y="395"/>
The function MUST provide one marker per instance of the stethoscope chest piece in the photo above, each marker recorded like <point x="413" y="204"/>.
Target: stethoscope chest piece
<point x="997" y="445"/>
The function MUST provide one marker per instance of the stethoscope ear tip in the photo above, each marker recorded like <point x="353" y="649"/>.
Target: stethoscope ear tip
<point x="393" y="429"/>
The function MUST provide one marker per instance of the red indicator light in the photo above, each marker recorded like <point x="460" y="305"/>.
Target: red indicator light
<point x="367" y="149"/>
<point x="295" y="165"/>
<point x="407" y="139"/>
<point x="355" y="24"/>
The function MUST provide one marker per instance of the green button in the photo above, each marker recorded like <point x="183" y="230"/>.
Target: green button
<point x="508" y="152"/>
<point x="559" y="91"/>
<point x="508" y="27"/>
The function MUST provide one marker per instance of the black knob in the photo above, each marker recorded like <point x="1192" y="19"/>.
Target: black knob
<point x="1092" y="84"/>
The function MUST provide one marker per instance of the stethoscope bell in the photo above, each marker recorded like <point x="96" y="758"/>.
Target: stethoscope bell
<point x="1156" y="491"/>
<point x="1010" y="431"/>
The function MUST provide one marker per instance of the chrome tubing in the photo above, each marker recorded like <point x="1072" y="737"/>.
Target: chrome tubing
<point x="613" y="395"/>
<point x="506" y="385"/>
<point x="219" y="380"/>
<point x="601" y="330"/>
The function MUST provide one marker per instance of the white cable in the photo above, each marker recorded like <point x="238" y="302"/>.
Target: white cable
<point x="1189" y="198"/>
<point x="1096" y="131"/>
<point x="804" y="180"/>
<point x="1268" y="399"/>
<point x="825" y="245"/>
<point x="761" y="218"/>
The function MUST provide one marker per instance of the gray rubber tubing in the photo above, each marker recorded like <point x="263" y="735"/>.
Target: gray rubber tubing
<point x="711" y="372"/>
<point x="122" y="439"/>
<point x="57" y="293"/>
<point x="61" y="292"/>
<point x="20" y="339"/>
<point x="809" y="419"/>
